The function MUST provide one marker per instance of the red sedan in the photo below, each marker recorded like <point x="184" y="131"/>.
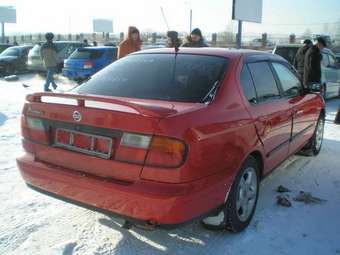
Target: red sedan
<point x="162" y="137"/>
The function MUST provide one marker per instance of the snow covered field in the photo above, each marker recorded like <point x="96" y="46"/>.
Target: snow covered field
<point x="31" y="223"/>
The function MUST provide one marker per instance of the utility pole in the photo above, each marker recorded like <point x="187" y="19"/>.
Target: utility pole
<point x="3" y="32"/>
<point x="190" y="20"/>
<point x="239" y="35"/>
<point x="190" y="15"/>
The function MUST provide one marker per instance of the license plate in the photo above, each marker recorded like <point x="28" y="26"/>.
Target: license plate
<point x="93" y="145"/>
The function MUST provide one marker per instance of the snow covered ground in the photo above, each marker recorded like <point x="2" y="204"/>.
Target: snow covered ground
<point x="31" y="223"/>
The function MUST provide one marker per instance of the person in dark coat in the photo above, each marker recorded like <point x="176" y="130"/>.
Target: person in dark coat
<point x="195" y="40"/>
<point x="313" y="58"/>
<point x="172" y="40"/>
<point x="299" y="61"/>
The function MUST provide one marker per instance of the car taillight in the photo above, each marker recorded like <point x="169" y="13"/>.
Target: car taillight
<point x="165" y="152"/>
<point x="34" y="129"/>
<point x="133" y="148"/>
<point x="88" y="64"/>
<point x="153" y="151"/>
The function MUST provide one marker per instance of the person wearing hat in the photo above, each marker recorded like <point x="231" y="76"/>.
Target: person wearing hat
<point x="172" y="40"/>
<point x="131" y="44"/>
<point x="299" y="61"/>
<point x="313" y="58"/>
<point x="195" y="40"/>
<point x="49" y="56"/>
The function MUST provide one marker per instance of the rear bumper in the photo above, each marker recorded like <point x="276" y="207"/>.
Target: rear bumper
<point x="36" y="67"/>
<point x="142" y="201"/>
<point x="77" y="74"/>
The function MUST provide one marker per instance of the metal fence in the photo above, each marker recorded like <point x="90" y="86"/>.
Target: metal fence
<point x="223" y="39"/>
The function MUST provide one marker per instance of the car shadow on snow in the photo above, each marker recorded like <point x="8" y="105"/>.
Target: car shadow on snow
<point x="192" y="238"/>
<point x="187" y="239"/>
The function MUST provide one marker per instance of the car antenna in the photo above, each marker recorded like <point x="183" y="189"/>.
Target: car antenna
<point x="176" y="50"/>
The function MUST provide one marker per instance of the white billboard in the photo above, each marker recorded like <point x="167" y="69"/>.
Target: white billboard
<point x="248" y="10"/>
<point x="8" y="14"/>
<point x="102" y="26"/>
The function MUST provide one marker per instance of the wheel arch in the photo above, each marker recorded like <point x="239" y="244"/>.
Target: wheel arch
<point x="259" y="158"/>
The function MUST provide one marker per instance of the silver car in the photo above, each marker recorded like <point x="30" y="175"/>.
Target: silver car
<point x="64" y="50"/>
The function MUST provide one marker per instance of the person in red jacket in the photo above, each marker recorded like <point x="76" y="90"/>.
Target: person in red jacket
<point x="131" y="44"/>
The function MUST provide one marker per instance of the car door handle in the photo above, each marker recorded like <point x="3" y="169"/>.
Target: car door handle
<point x="298" y="112"/>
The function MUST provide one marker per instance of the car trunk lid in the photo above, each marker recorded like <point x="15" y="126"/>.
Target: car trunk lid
<point x="84" y="132"/>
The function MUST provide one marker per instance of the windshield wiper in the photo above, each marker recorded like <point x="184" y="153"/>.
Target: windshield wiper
<point x="212" y="93"/>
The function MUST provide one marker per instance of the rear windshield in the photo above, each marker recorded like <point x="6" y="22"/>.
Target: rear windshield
<point x="10" y="52"/>
<point x="187" y="78"/>
<point x="287" y="53"/>
<point x="86" y="54"/>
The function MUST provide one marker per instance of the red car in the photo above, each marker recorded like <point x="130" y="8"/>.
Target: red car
<point x="163" y="137"/>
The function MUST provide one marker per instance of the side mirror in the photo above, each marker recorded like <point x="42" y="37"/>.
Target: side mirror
<point x="314" y="88"/>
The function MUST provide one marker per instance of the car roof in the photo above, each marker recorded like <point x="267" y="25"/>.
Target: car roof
<point x="219" y="52"/>
<point x="289" y="45"/>
<point x="20" y="47"/>
<point x="68" y="42"/>
<point x="99" y="47"/>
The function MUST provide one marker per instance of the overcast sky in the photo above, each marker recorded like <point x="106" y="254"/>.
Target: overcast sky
<point x="65" y="16"/>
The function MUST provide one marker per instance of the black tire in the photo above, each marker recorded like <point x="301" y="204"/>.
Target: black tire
<point x="314" y="145"/>
<point x="231" y="218"/>
<point x="324" y="91"/>
<point x="60" y="67"/>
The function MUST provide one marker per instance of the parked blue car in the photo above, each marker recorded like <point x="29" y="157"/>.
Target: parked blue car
<point x="85" y="62"/>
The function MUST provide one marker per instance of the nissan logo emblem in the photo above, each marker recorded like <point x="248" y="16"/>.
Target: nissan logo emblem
<point x="76" y="116"/>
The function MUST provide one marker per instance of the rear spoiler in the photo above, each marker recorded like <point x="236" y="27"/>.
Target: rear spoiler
<point x="146" y="110"/>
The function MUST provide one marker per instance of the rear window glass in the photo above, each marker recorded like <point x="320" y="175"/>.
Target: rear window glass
<point x="187" y="78"/>
<point x="287" y="53"/>
<point x="86" y="54"/>
<point x="13" y="52"/>
<point x="60" y="46"/>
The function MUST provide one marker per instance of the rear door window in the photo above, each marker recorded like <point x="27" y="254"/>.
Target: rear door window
<point x="290" y="83"/>
<point x="264" y="80"/>
<point x="187" y="78"/>
<point x="248" y="85"/>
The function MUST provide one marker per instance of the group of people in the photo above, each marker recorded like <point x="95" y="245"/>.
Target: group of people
<point x="133" y="41"/>
<point x="308" y="61"/>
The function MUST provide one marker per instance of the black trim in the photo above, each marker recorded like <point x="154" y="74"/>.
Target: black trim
<point x="288" y="141"/>
<point x="278" y="148"/>
<point x="135" y="222"/>
<point x="263" y="57"/>
<point x="301" y="132"/>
